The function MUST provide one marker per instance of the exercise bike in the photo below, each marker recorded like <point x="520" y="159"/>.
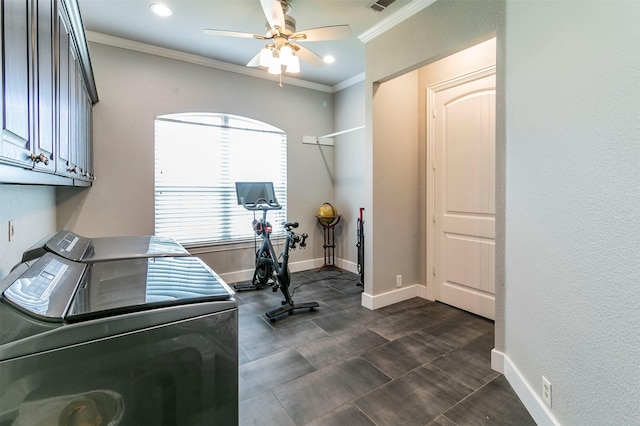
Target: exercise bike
<point x="260" y="196"/>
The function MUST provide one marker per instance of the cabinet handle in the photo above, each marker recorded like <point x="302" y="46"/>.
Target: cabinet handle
<point x="40" y="158"/>
<point x="73" y="169"/>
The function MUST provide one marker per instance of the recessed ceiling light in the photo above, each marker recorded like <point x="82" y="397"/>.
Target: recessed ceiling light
<point x="329" y="59"/>
<point x="160" y="9"/>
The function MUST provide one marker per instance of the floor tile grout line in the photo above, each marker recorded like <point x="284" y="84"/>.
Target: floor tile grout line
<point x="361" y="327"/>
<point x="446" y="417"/>
<point x="272" y="389"/>
<point x="283" y="407"/>
<point x="467" y="397"/>
<point x="392" y="379"/>
<point x="473" y="390"/>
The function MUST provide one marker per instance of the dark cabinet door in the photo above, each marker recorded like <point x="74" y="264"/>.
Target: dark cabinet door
<point x="15" y="145"/>
<point x="44" y="142"/>
<point x="47" y="92"/>
<point x="64" y="161"/>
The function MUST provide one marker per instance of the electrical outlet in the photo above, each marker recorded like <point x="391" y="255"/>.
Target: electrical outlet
<point x="398" y="280"/>
<point x="546" y="391"/>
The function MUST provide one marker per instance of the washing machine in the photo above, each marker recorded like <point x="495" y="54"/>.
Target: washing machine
<point x="136" y="341"/>
<point x="73" y="246"/>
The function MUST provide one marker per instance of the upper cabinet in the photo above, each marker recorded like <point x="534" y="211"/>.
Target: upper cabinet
<point x="48" y="92"/>
<point x="16" y="144"/>
<point x="44" y="88"/>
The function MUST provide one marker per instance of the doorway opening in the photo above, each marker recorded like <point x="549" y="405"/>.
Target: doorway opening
<point x="460" y="134"/>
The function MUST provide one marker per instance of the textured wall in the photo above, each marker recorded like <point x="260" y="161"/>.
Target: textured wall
<point x="32" y="211"/>
<point x="573" y="205"/>
<point x="349" y="182"/>
<point x="394" y="237"/>
<point x="135" y="88"/>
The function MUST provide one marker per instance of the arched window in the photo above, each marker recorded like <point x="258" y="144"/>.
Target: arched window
<point x="198" y="159"/>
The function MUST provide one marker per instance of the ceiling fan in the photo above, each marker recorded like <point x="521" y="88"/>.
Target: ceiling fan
<point x="282" y="49"/>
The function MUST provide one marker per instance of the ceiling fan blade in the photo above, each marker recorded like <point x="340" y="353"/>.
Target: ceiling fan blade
<point x="275" y="16"/>
<point x="332" y="32"/>
<point x="255" y="62"/>
<point x="308" y="56"/>
<point x="225" y="33"/>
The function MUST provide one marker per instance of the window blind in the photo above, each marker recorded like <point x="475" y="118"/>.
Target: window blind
<point x="198" y="159"/>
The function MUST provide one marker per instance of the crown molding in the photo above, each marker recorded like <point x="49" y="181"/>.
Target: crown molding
<point x="394" y="19"/>
<point x="389" y="22"/>
<point x="199" y="60"/>
<point x="349" y="82"/>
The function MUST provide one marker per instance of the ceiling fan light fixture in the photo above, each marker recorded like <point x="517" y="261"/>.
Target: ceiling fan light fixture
<point x="293" y="67"/>
<point x="275" y="66"/>
<point x="286" y="53"/>
<point x="266" y="56"/>
<point x="282" y="53"/>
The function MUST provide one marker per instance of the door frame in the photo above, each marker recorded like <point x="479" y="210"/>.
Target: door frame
<point x="430" y="272"/>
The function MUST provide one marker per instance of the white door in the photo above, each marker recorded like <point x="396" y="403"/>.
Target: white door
<point x="464" y="194"/>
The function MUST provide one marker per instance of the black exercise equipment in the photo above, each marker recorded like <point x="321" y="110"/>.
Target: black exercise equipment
<point x="360" y="246"/>
<point x="256" y="196"/>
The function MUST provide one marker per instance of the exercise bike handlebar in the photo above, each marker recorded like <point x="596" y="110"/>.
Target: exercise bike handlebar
<point x="261" y="204"/>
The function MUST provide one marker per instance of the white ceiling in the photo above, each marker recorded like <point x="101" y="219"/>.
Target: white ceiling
<point x="183" y="31"/>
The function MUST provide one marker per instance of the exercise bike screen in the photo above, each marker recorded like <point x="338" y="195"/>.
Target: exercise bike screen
<point x="254" y="191"/>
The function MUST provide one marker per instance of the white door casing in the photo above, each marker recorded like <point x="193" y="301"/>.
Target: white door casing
<point x="462" y="147"/>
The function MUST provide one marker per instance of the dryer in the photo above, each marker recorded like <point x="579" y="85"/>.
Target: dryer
<point x="146" y="340"/>
<point x="75" y="247"/>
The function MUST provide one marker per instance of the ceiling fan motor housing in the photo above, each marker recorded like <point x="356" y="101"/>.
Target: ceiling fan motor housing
<point x="286" y="6"/>
<point x="290" y="24"/>
<point x="282" y="46"/>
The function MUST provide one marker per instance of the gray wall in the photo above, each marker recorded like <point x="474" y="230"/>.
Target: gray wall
<point x="568" y="183"/>
<point x="136" y="87"/>
<point x="573" y="205"/>
<point x="393" y="206"/>
<point x="33" y="213"/>
<point x="349" y="182"/>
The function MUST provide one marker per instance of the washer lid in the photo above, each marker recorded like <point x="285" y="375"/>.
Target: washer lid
<point x="89" y="250"/>
<point x="117" y="248"/>
<point x="45" y="289"/>
<point x="124" y="286"/>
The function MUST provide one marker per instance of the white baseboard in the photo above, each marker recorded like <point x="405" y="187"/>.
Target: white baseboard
<point x="497" y="361"/>
<point x="347" y="266"/>
<point x="389" y="298"/>
<point x="500" y="362"/>
<point x="368" y="301"/>
<point x="541" y="414"/>
<point x="247" y="274"/>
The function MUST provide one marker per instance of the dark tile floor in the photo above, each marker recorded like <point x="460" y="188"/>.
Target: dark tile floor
<point x="413" y="363"/>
